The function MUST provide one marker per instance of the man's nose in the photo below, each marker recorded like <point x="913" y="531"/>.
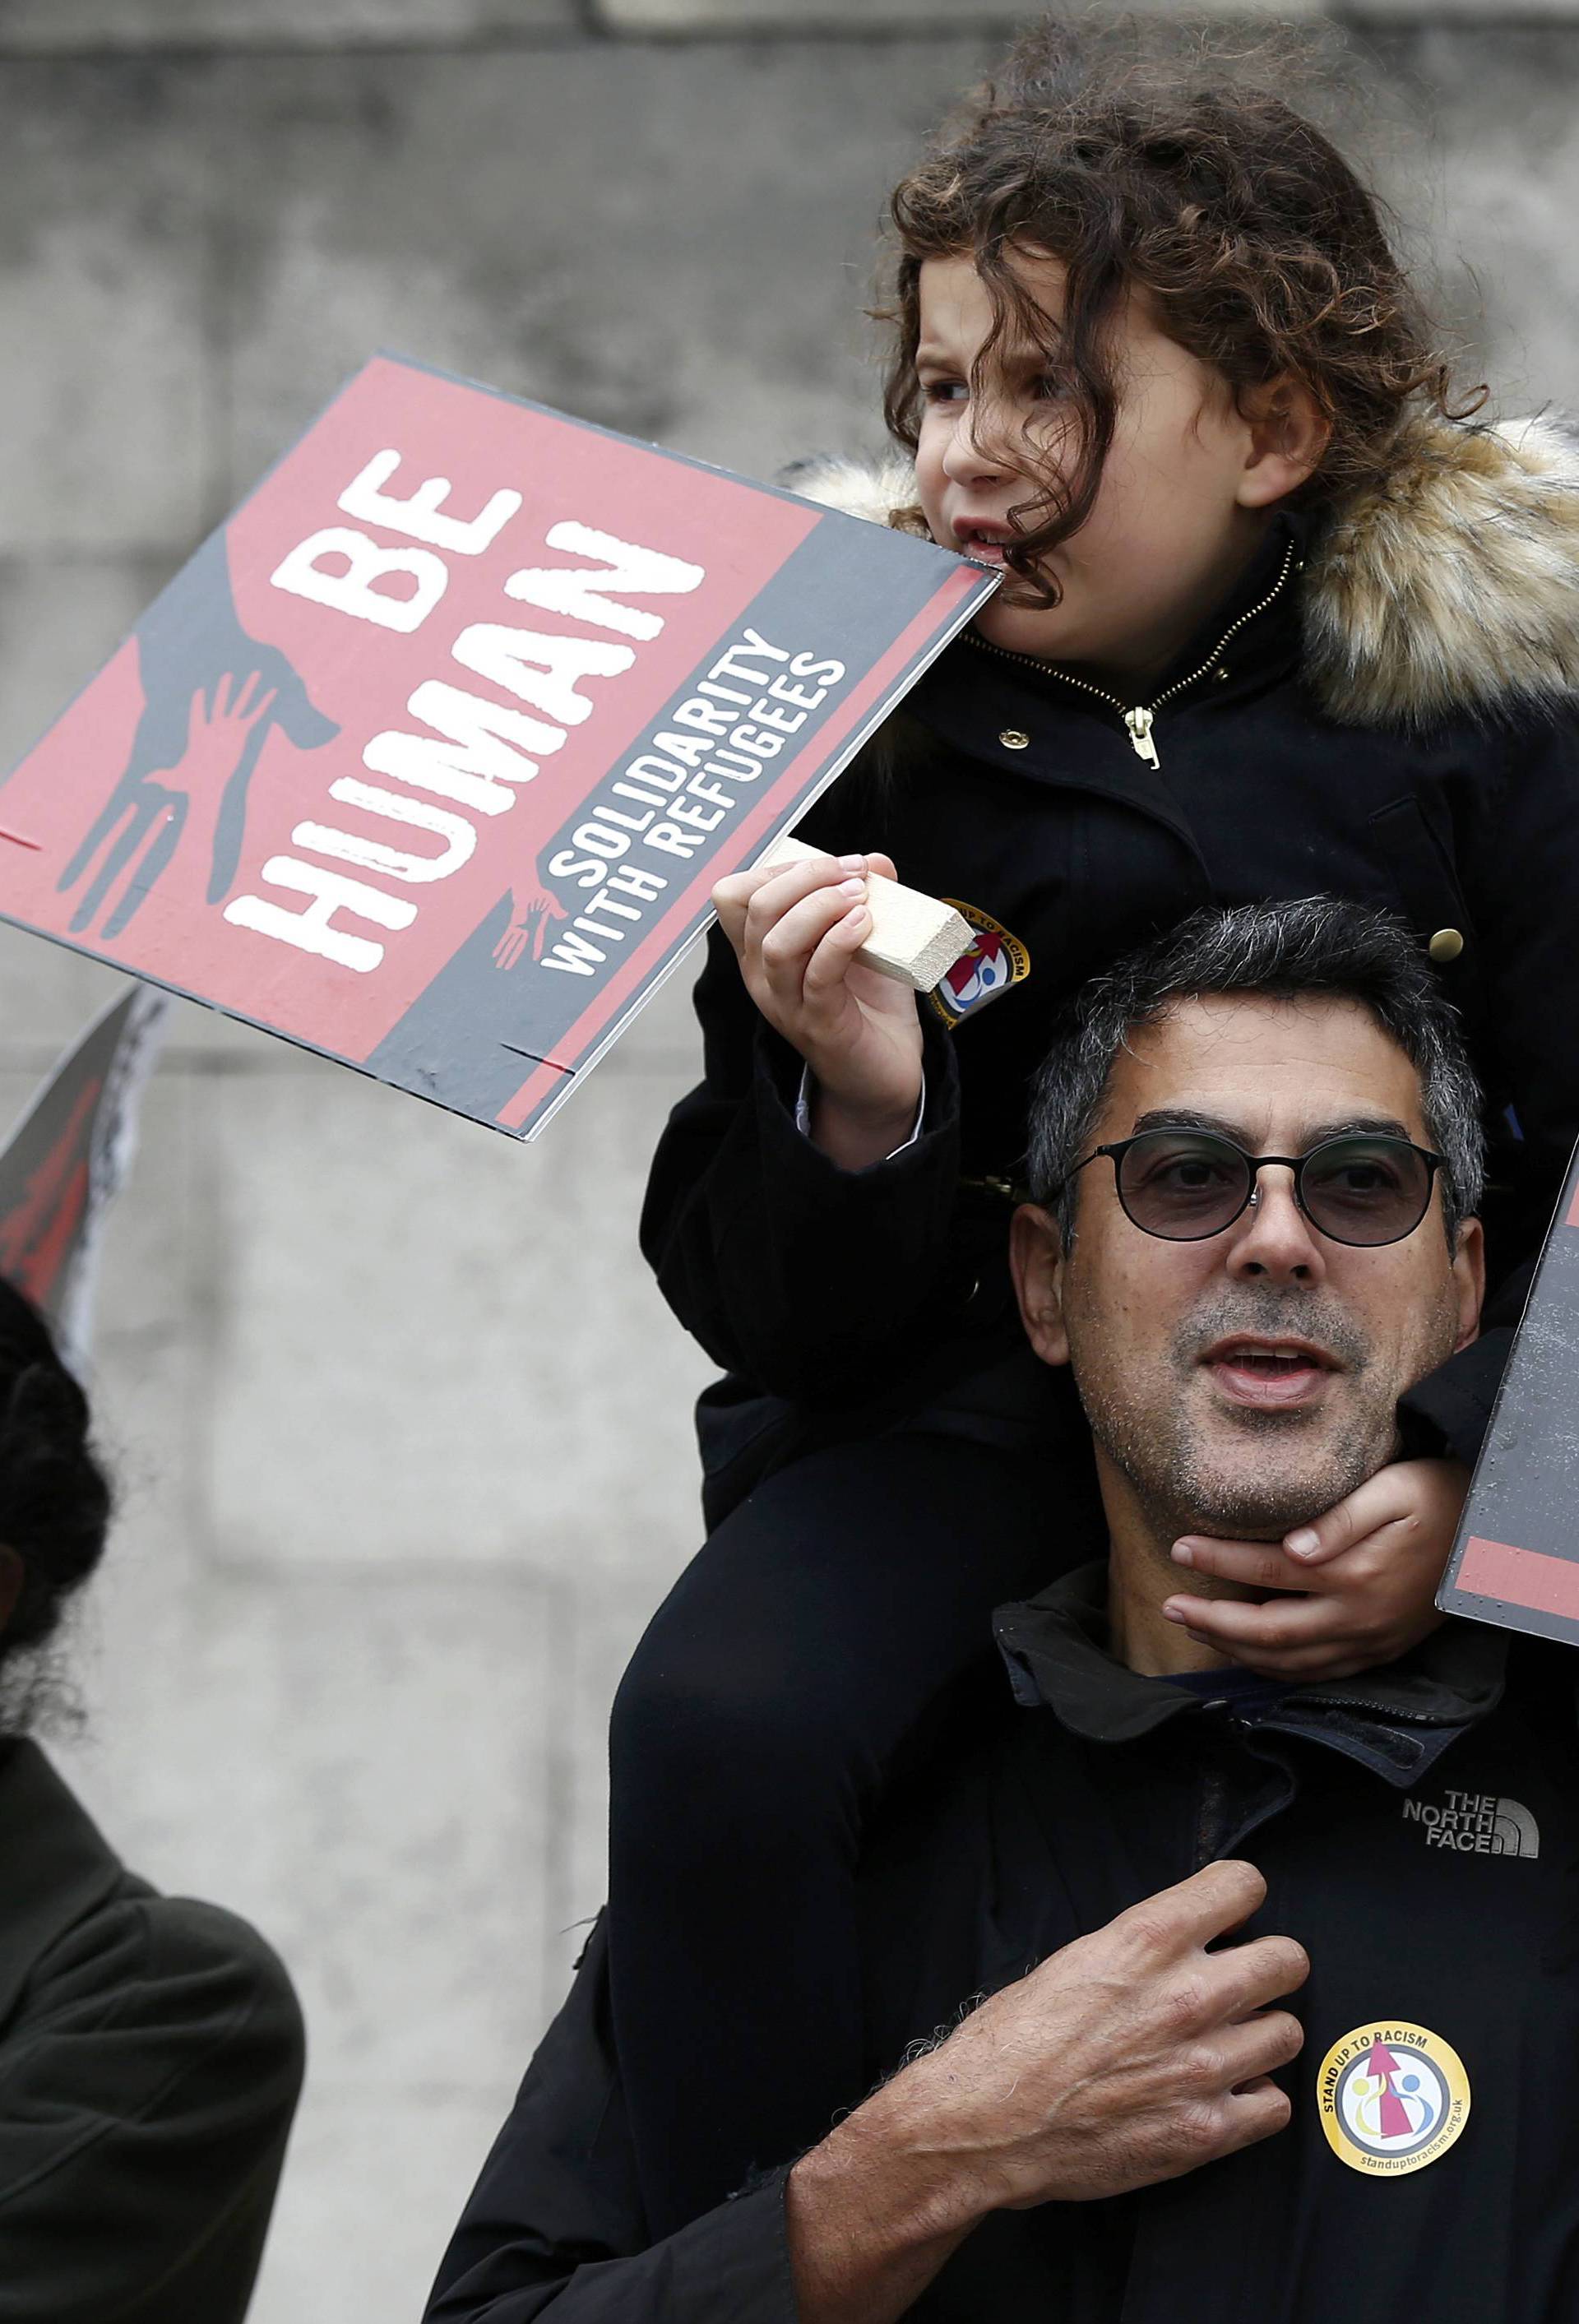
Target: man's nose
<point x="1273" y="1241"/>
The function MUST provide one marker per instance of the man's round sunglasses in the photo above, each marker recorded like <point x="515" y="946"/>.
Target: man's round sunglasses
<point x="1363" y="1189"/>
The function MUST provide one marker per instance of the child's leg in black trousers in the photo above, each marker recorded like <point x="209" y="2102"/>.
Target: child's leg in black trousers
<point x="750" y="1740"/>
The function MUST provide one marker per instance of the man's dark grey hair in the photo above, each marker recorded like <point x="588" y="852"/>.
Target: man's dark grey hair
<point x="1318" y="945"/>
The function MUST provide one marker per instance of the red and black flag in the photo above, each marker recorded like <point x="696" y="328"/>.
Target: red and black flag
<point x="67" y="1159"/>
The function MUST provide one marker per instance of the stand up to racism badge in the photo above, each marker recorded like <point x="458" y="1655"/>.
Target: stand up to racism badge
<point x="994" y="963"/>
<point x="1392" y="2098"/>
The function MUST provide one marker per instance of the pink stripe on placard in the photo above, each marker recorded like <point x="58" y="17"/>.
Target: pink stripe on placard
<point x="1520" y="1577"/>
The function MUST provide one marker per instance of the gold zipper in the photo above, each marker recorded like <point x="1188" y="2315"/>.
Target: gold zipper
<point x="1139" y="720"/>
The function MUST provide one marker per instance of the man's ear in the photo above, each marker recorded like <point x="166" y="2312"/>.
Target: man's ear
<point x="1036" y="1262"/>
<point x="1288" y="433"/>
<point x="1469" y="1271"/>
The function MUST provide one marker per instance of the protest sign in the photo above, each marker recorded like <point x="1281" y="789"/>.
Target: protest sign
<point x="1515" y="1560"/>
<point x="430" y="758"/>
<point x="67" y="1159"/>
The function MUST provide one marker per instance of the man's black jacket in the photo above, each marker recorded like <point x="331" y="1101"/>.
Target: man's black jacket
<point x="151" y="2055"/>
<point x="1037" y="1822"/>
<point x="1392" y="717"/>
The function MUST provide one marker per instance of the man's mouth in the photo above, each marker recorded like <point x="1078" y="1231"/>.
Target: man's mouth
<point x="1270" y="1375"/>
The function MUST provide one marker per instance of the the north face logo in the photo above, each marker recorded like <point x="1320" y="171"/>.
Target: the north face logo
<point x="1476" y="1824"/>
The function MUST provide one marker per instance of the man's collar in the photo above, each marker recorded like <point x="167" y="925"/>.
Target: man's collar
<point x="55" y="1866"/>
<point x="1396" y="1720"/>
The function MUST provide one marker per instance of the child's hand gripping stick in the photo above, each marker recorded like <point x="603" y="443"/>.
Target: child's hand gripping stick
<point x="914" y="938"/>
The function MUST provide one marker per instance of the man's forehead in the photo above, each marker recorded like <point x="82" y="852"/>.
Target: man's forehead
<point x="1272" y="1067"/>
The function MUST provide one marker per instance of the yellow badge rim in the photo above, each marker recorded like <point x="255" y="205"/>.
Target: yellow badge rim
<point x="1333" y="2087"/>
<point x="1017" y="954"/>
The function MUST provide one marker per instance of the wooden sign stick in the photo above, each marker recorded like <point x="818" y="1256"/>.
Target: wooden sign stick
<point x="914" y="939"/>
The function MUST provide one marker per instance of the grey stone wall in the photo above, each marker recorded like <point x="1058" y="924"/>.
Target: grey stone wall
<point x="402" y="1428"/>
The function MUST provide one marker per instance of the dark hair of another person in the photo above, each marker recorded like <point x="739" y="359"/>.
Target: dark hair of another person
<point x="1256" y="245"/>
<point x="1317" y="947"/>
<point x="54" y="1496"/>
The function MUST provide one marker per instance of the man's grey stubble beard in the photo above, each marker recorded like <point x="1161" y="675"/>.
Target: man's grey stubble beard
<point x="1180" y="1486"/>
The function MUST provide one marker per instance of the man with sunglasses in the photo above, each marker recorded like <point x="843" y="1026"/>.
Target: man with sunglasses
<point x="1190" y="1994"/>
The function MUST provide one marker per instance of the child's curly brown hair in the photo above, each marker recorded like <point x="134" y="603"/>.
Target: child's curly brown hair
<point x="1255" y="242"/>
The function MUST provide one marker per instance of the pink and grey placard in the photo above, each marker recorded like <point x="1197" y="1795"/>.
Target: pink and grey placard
<point x="431" y="756"/>
<point x="1516" y="1560"/>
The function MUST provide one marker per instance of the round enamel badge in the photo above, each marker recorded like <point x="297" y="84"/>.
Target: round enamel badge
<point x="1392" y="2098"/>
<point x="994" y="963"/>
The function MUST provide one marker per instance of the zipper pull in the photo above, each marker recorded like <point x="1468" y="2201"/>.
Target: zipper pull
<point x="1139" y="722"/>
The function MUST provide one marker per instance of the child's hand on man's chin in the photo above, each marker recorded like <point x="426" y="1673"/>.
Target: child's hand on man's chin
<point x="1366" y="1575"/>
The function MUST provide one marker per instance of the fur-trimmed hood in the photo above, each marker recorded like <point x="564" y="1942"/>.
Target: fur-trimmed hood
<point x="1452" y="587"/>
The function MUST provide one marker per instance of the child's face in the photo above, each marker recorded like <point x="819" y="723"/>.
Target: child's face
<point x="1183" y="500"/>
